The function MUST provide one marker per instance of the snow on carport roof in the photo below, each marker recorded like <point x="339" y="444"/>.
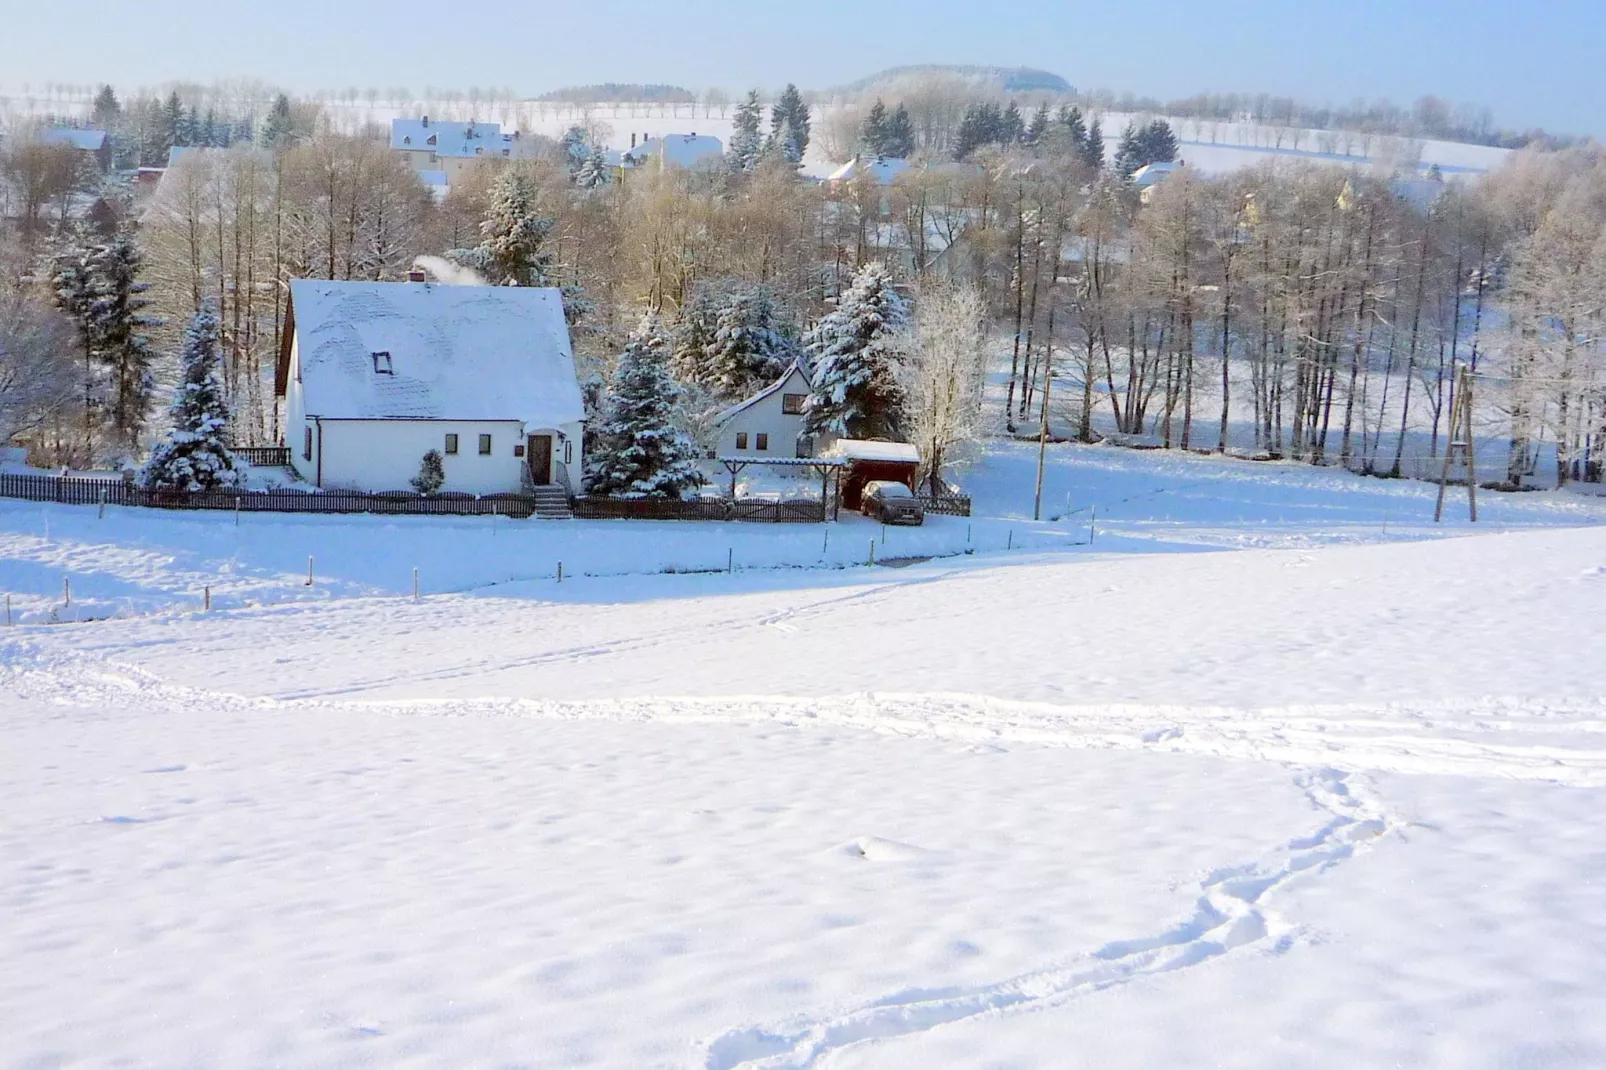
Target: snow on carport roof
<point x="863" y="449"/>
<point x="456" y="352"/>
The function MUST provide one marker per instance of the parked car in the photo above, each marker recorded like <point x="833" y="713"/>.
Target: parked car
<point x="892" y="503"/>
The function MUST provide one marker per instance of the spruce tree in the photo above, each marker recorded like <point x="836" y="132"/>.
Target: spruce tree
<point x="1039" y="126"/>
<point x="280" y="127"/>
<point x="854" y="350"/>
<point x="194" y="455"/>
<point x="973" y="131"/>
<point x="107" y="112"/>
<point x="1093" y="147"/>
<point x="873" y="131"/>
<point x="594" y="172"/>
<point x="1075" y="130"/>
<point x="693" y="340"/>
<point x="789" y="125"/>
<point x="121" y="344"/>
<point x="750" y="347"/>
<point x="1159" y="143"/>
<point x="640" y="451"/>
<point x="174" y="129"/>
<point x="899" y="142"/>
<point x="1128" y="151"/>
<point x="511" y="250"/>
<point x="746" y="142"/>
<point x="1012" y="128"/>
<point x="431" y="474"/>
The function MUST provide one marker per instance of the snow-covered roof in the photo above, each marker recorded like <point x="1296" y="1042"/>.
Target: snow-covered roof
<point x="884" y="169"/>
<point x="682" y="150"/>
<point x="178" y="152"/>
<point x="1149" y="174"/>
<point x="795" y="372"/>
<point x="455" y="140"/>
<point x="434" y="178"/>
<point x="864" y="449"/>
<point x="455" y="352"/>
<point x="87" y="140"/>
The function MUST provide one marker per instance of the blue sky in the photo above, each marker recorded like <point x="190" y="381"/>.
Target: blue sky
<point x="1534" y="62"/>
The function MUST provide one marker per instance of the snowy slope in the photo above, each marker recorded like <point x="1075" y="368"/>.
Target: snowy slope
<point x="1330" y="800"/>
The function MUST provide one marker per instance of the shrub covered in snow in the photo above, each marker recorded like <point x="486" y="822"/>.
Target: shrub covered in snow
<point x="855" y="350"/>
<point x="194" y="455"/>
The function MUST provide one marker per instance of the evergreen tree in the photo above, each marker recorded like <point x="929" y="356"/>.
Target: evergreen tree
<point x="431" y="474"/>
<point x="973" y="132"/>
<point x="899" y="141"/>
<point x="1075" y="130"/>
<point x="511" y="250"/>
<point x="854" y="350"/>
<point x="194" y="455"/>
<point x="1093" y="147"/>
<point x="1159" y="143"/>
<point x="594" y="172"/>
<point x="640" y="450"/>
<point x="576" y="150"/>
<point x="171" y="127"/>
<point x="121" y="344"/>
<point x="1012" y="128"/>
<point x="280" y="127"/>
<point x="1127" y="151"/>
<point x="107" y="113"/>
<point x="746" y="141"/>
<point x="873" y="131"/>
<point x="750" y="347"/>
<point x="693" y="339"/>
<point x="789" y="124"/>
<point x="1039" y="126"/>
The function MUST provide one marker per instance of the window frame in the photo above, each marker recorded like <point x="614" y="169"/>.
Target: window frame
<point x="451" y="444"/>
<point x="741" y="440"/>
<point x="763" y="443"/>
<point x="485" y="445"/>
<point x="789" y="409"/>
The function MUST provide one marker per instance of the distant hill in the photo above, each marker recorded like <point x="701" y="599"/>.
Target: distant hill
<point x="624" y="92"/>
<point x="1009" y="79"/>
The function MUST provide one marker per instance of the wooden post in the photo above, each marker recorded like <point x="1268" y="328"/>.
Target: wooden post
<point x="206" y="599"/>
<point x="101" y="515"/>
<point x="309" y="572"/>
<point x="415" y="584"/>
<point x="236" y="511"/>
<point x="1092" y="525"/>
<point x="1011" y="543"/>
<point x="825" y="548"/>
<point x="1460" y="439"/>
<point x="1472" y="457"/>
<point x="560" y="571"/>
<point x="872" y="551"/>
<point x="66" y="590"/>
<point x="730" y="560"/>
<point x="1042" y="435"/>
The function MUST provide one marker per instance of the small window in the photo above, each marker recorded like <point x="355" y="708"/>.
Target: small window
<point x="434" y="139"/>
<point x="763" y="442"/>
<point x="518" y="450"/>
<point x="793" y="404"/>
<point x="382" y="364"/>
<point x="485" y="445"/>
<point x="306" y="443"/>
<point x="451" y="443"/>
<point x="479" y="151"/>
<point x="408" y="140"/>
<point x="741" y="440"/>
<point x="568" y="453"/>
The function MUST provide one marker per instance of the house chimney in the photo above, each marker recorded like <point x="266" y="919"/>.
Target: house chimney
<point x="426" y="120"/>
<point x="417" y="275"/>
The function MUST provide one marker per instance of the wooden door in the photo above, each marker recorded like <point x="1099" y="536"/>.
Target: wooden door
<point x="540" y="454"/>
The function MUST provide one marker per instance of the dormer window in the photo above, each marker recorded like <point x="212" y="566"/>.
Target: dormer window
<point x="408" y="140"/>
<point x="479" y="151"/>
<point x="382" y="364"/>
<point x="434" y="139"/>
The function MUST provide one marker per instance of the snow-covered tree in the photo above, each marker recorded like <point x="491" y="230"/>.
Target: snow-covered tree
<point x="1093" y="146"/>
<point x="789" y="125"/>
<point x="899" y="139"/>
<point x="693" y="339"/>
<point x="747" y="144"/>
<point x="431" y="474"/>
<point x="873" y="131"/>
<point x="280" y="127"/>
<point x="750" y="347"/>
<point x="194" y="456"/>
<point x="514" y="233"/>
<point x="121" y="344"/>
<point x="594" y="172"/>
<point x="855" y="352"/>
<point x="107" y="112"/>
<point x="941" y="375"/>
<point x="640" y="449"/>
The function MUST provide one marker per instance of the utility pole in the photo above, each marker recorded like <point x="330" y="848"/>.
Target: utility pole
<point x="1042" y="435"/>
<point x="1460" y="441"/>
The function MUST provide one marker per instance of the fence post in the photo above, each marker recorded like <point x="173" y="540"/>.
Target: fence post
<point x="206" y="599"/>
<point x="560" y="571"/>
<point x="872" y="551"/>
<point x="1011" y="544"/>
<point x="102" y="513"/>
<point x="66" y="590"/>
<point x="415" y="584"/>
<point x="1092" y="525"/>
<point x="730" y="560"/>
<point x="826" y="547"/>
<point x="309" y="572"/>
<point x="236" y="510"/>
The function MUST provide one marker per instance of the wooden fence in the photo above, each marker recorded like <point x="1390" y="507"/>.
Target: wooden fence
<point x="263" y="456"/>
<point x="796" y="511"/>
<point x="947" y="504"/>
<point x="77" y="491"/>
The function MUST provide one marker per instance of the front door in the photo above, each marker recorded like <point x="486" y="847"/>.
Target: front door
<point x="540" y="453"/>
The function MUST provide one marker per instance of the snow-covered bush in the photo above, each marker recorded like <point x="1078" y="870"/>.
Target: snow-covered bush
<point x="194" y="456"/>
<point x="640" y="450"/>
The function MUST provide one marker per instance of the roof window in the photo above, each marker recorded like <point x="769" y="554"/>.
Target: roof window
<point x="383" y="365"/>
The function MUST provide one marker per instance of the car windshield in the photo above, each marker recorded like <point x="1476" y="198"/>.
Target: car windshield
<point x="891" y="490"/>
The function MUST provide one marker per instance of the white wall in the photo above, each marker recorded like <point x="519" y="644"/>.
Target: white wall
<point x="765" y="417"/>
<point x="381" y="455"/>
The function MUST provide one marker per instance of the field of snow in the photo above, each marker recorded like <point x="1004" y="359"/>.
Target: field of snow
<point x="1270" y="774"/>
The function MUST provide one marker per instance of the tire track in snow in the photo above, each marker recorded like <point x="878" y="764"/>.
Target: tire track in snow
<point x="1230" y="914"/>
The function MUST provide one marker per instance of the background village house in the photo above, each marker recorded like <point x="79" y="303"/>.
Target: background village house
<point x="376" y="374"/>
<point x="770" y="423"/>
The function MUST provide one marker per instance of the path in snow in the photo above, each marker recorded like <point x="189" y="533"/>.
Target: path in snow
<point x="1231" y="913"/>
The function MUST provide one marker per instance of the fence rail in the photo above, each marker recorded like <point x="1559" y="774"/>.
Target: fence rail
<point x="68" y="490"/>
<point x="799" y="511"/>
<point x="263" y="456"/>
<point x="947" y="504"/>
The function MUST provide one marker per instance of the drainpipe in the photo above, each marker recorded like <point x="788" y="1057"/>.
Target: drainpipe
<point x="318" y="482"/>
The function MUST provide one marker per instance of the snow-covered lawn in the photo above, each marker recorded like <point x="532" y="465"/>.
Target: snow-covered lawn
<point x="1330" y="799"/>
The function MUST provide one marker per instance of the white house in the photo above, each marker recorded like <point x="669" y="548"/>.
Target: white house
<point x="676" y="150"/>
<point x="436" y="148"/>
<point x="882" y="170"/>
<point x="1148" y="176"/>
<point x="376" y="374"/>
<point x="768" y="424"/>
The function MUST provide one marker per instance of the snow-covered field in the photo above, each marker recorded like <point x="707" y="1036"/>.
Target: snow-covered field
<point x="1325" y="795"/>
